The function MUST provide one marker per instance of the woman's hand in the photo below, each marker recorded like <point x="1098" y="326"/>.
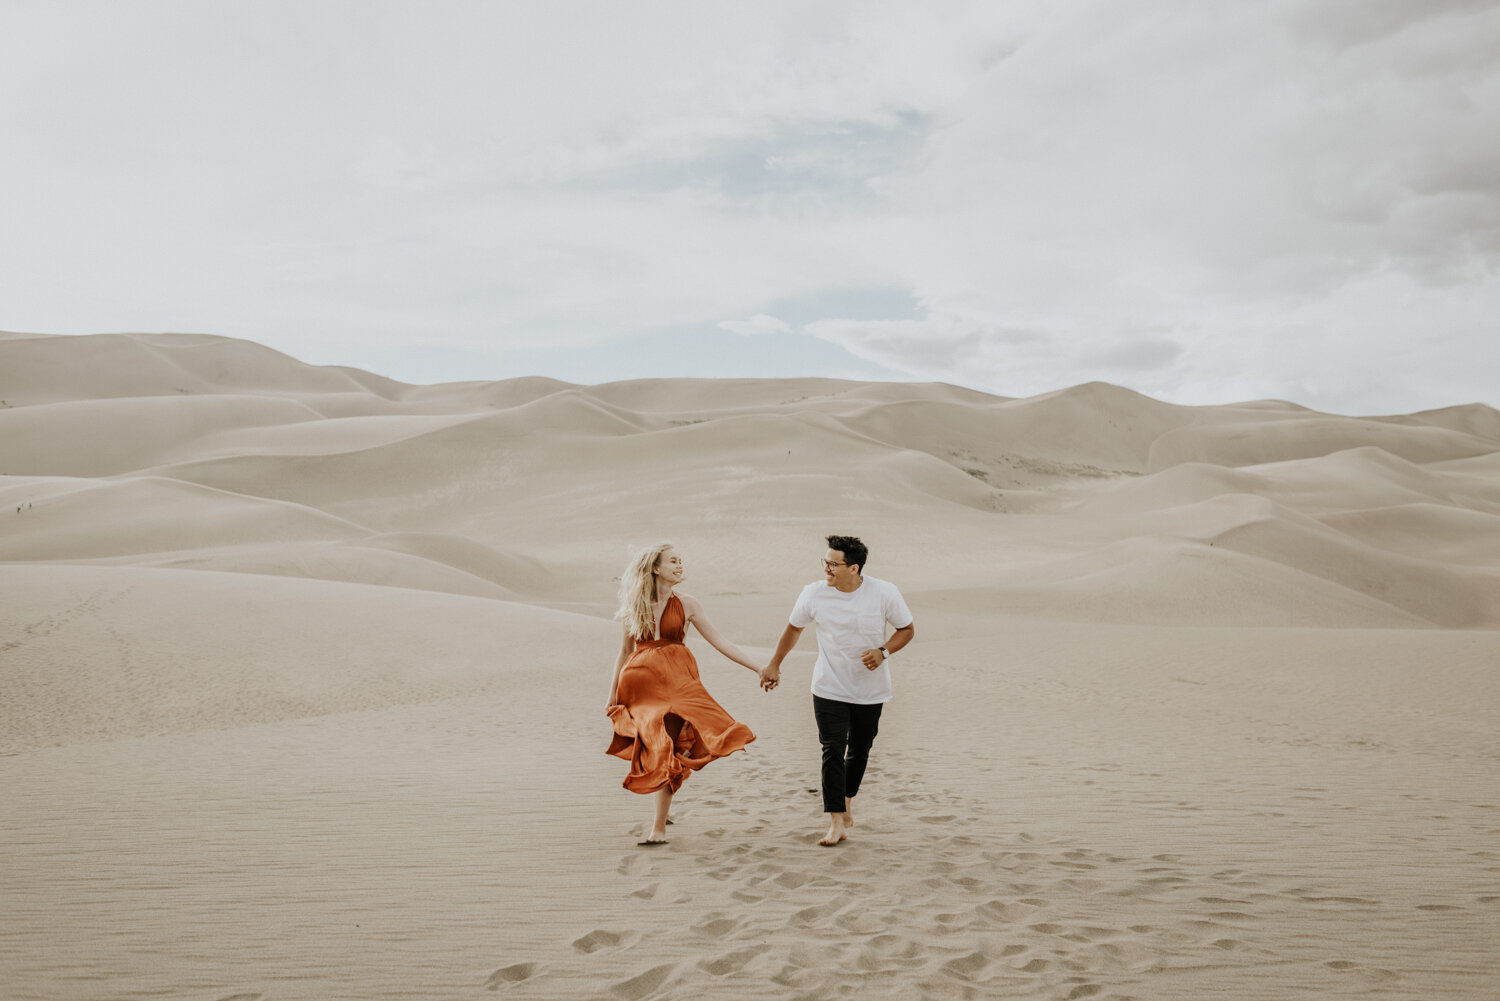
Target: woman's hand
<point x="770" y="677"/>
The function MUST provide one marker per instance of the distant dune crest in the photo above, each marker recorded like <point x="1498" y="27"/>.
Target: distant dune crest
<point x="194" y="451"/>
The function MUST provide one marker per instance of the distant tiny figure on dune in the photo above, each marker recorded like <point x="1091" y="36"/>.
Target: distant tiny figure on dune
<point x="665" y="722"/>
<point x="851" y="680"/>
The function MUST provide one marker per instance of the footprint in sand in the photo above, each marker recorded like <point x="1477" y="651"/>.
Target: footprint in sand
<point x="792" y="880"/>
<point x="1084" y="886"/>
<point x="1135" y="956"/>
<point x="949" y="922"/>
<point x="601" y="939"/>
<point x="513" y="974"/>
<point x="732" y="962"/>
<point x="716" y="926"/>
<point x="1370" y="974"/>
<point x="967" y="967"/>
<point x="864" y="923"/>
<point x="815" y="915"/>
<point x="1236" y="916"/>
<point x="643" y="984"/>
<point x="1000" y="912"/>
<point x="896" y="949"/>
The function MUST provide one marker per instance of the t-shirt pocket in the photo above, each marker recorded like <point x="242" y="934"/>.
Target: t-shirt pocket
<point x="872" y="629"/>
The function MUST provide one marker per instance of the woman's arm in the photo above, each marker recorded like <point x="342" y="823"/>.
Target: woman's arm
<point x="715" y="638"/>
<point x="627" y="647"/>
<point x="770" y="677"/>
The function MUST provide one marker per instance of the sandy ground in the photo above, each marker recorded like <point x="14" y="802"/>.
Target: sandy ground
<point x="302" y="677"/>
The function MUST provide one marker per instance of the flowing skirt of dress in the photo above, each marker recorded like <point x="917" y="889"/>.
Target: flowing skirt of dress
<point x="660" y="681"/>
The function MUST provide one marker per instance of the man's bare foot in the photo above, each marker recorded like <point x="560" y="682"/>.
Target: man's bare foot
<point x="835" y="831"/>
<point x="848" y="812"/>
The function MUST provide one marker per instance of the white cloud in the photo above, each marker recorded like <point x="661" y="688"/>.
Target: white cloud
<point x="759" y="324"/>
<point x="1194" y="200"/>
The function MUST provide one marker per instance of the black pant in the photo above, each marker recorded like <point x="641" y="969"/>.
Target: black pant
<point x="846" y="731"/>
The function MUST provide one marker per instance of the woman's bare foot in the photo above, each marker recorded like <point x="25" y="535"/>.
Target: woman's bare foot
<point x="835" y="831"/>
<point x="658" y="835"/>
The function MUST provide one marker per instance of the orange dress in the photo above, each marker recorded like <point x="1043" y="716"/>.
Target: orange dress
<point x="659" y="682"/>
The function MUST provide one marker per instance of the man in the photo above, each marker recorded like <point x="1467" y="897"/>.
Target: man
<point x="851" y="681"/>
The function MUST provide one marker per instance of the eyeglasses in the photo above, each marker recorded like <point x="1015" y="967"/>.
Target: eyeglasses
<point x="829" y="566"/>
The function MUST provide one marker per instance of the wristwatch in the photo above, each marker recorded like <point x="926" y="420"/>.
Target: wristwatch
<point x="884" y="653"/>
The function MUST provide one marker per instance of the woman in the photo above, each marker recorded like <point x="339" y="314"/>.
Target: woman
<point x="665" y="721"/>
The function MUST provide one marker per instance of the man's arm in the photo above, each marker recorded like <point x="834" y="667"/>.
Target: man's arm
<point x="901" y="637"/>
<point x="873" y="658"/>
<point x="770" y="675"/>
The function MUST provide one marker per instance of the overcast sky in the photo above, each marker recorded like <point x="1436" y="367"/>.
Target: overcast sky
<point x="1203" y="200"/>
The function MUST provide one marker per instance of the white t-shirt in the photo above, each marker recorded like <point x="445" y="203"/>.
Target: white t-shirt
<point x="848" y="625"/>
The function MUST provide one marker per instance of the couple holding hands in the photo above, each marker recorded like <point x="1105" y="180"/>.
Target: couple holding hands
<point x="666" y="723"/>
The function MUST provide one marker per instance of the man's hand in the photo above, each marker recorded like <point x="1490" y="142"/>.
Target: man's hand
<point x="872" y="659"/>
<point x="770" y="677"/>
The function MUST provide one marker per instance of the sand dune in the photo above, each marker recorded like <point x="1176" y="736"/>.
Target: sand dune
<point x="331" y="436"/>
<point x="1433" y="531"/>
<point x="1279" y="441"/>
<point x="302" y="674"/>
<point x="45" y="369"/>
<point x="112" y="652"/>
<point x="81" y="519"/>
<point x="361" y="562"/>
<point x="104" y="437"/>
<point x="1447" y="596"/>
<point x="1470" y="418"/>
<point x="1167" y="581"/>
<point x="1354" y="480"/>
<point x="1017" y="442"/>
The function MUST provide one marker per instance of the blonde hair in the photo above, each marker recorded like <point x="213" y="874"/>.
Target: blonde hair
<point x="638" y="592"/>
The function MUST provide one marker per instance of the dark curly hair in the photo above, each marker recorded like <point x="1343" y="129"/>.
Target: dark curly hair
<point x="854" y="551"/>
